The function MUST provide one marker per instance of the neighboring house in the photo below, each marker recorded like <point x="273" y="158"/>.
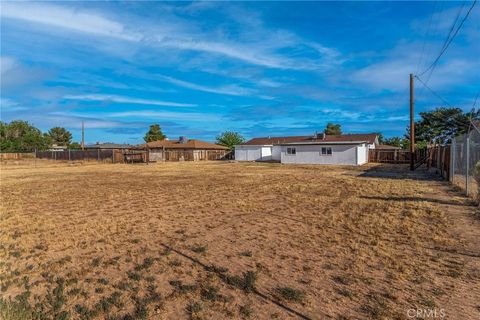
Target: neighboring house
<point x="350" y="149"/>
<point x="184" y="149"/>
<point x="55" y="147"/>
<point x="107" y="146"/>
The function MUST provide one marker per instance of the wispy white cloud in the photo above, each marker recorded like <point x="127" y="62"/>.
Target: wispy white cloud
<point x="66" y="18"/>
<point x="7" y="64"/>
<point x="8" y="105"/>
<point x="14" y="76"/>
<point x="260" y="50"/>
<point x="391" y="73"/>
<point x="341" y="114"/>
<point x="151" y="114"/>
<point x="233" y="89"/>
<point x="458" y="66"/>
<point x="232" y="50"/>
<point x="268" y="83"/>
<point x="184" y="116"/>
<point x="121" y="99"/>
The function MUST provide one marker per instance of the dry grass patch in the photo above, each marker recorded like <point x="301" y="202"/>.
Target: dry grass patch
<point x="223" y="240"/>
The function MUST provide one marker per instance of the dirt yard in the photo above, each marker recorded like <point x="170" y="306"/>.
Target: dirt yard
<point x="218" y="240"/>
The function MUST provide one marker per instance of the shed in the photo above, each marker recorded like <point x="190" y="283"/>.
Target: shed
<point x="184" y="149"/>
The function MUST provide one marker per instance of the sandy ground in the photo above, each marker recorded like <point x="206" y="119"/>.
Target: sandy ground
<point x="217" y="240"/>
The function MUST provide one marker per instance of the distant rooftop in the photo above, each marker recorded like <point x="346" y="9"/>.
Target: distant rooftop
<point x="182" y="144"/>
<point x="107" y="145"/>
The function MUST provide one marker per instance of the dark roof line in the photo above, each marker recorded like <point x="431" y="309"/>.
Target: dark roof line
<point x="370" y="138"/>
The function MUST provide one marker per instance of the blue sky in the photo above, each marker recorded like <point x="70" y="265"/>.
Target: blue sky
<point x="259" y="68"/>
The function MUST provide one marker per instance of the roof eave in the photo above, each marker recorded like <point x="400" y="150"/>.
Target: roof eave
<point x="322" y="142"/>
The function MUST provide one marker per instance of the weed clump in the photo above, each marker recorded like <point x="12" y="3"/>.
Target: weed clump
<point x="245" y="311"/>
<point x="210" y="293"/>
<point x="147" y="263"/>
<point x="199" y="249"/>
<point x="246" y="283"/>
<point x="135" y="276"/>
<point x="193" y="308"/>
<point x="291" y="294"/>
<point x="182" y="288"/>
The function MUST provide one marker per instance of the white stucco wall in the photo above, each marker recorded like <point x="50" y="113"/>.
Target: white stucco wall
<point x="311" y="154"/>
<point x="276" y="153"/>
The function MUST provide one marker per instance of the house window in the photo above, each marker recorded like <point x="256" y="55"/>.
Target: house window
<point x="291" y="151"/>
<point x="326" y="151"/>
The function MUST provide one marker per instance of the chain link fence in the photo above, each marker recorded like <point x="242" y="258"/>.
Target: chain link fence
<point x="465" y="156"/>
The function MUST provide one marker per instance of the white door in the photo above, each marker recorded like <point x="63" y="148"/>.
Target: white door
<point x="266" y="154"/>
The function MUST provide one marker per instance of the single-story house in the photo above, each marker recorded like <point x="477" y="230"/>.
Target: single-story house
<point x="184" y="149"/>
<point x="350" y="149"/>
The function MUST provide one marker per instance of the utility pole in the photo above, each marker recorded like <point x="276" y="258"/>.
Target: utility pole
<point x="412" y="126"/>
<point x="83" y="137"/>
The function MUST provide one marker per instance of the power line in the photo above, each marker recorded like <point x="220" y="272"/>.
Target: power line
<point x="472" y="112"/>
<point x="475" y="126"/>
<point x="455" y="121"/>
<point x="453" y="25"/>
<point x="433" y="91"/>
<point x="449" y="41"/>
<point x="476" y="98"/>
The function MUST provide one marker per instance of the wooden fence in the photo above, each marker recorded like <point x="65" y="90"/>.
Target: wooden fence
<point x="388" y="156"/>
<point x="17" y="156"/>
<point x="439" y="157"/>
<point x="113" y="156"/>
<point x="134" y="156"/>
<point x="395" y="156"/>
<point x="188" y="155"/>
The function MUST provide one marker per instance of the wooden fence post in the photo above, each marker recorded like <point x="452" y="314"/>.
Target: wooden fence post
<point x="467" y="164"/>
<point x="452" y="160"/>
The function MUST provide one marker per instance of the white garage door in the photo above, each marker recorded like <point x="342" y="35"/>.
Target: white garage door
<point x="248" y="154"/>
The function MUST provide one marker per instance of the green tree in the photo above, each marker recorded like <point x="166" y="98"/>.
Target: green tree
<point x="155" y="133"/>
<point x="60" y="136"/>
<point x="230" y="139"/>
<point x="441" y="124"/>
<point x="74" y="146"/>
<point x="21" y="136"/>
<point x="381" y="138"/>
<point x="333" y="129"/>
